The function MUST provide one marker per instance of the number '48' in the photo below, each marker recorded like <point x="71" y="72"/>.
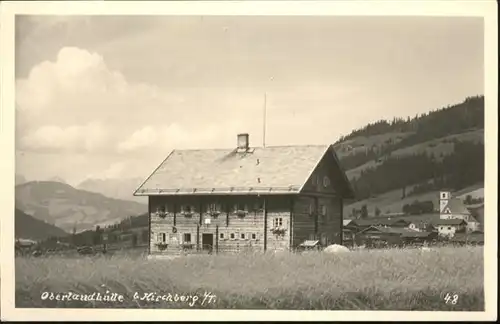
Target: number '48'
<point x="451" y="298"/>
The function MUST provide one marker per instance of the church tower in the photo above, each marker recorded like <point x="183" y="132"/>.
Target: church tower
<point x="444" y="198"/>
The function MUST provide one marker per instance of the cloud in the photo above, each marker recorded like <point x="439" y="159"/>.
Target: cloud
<point x="168" y="137"/>
<point x="78" y="89"/>
<point x="89" y="137"/>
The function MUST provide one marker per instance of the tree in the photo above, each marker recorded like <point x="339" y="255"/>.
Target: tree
<point x="97" y="236"/>
<point x="364" y="212"/>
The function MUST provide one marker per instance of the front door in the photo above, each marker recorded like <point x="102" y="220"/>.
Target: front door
<point x="207" y="241"/>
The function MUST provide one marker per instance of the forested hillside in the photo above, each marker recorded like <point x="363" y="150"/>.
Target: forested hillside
<point x="441" y="149"/>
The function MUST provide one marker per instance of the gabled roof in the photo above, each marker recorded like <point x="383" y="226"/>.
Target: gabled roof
<point x="403" y="232"/>
<point x="455" y="206"/>
<point x="309" y="243"/>
<point x="260" y="170"/>
<point x="346" y="222"/>
<point x="378" y="221"/>
<point x="451" y="221"/>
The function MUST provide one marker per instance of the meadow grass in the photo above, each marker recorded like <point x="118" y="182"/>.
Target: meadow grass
<point x="359" y="280"/>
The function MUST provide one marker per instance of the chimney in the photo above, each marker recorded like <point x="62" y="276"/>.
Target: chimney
<point x="243" y="143"/>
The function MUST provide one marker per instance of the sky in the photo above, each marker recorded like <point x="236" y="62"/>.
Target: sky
<point x="111" y="96"/>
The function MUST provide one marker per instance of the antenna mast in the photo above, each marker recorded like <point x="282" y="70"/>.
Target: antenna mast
<point x="264" y="124"/>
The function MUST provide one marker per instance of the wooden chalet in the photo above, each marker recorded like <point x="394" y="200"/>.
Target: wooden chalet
<point x="379" y="236"/>
<point x="245" y="199"/>
<point x="362" y="224"/>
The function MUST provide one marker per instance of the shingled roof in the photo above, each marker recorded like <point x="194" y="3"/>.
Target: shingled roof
<point x="385" y="221"/>
<point x="456" y="206"/>
<point x="269" y="170"/>
<point x="451" y="221"/>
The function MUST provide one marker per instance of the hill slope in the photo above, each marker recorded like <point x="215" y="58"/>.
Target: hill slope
<point x="66" y="207"/>
<point x="389" y="162"/>
<point x="28" y="227"/>
<point x="114" y="188"/>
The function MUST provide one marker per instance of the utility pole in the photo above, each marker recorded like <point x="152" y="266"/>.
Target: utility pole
<point x="264" y="124"/>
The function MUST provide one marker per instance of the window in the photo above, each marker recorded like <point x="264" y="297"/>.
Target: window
<point x="240" y="207"/>
<point x="278" y="221"/>
<point x="326" y="181"/>
<point x="187" y="209"/>
<point x="187" y="237"/>
<point x="221" y="236"/>
<point x="449" y="228"/>
<point x="232" y="236"/>
<point x="242" y="236"/>
<point x="213" y="207"/>
<point x="312" y="209"/>
<point x="259" y="205"/>
<point x="323" y="209"/>
<point x="254" y="236"/>
<point x="162" y="237"/>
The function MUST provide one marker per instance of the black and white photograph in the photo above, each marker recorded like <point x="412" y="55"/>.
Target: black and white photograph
<point x="249" y="156"/>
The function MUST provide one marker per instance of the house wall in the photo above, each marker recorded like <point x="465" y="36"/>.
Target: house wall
<point x="231" y="226"/>
<point x="449" y="230"/>
<point x="308" y="221"/>
<point x="316" y="182"/>
<point x="473" y="226"/>
<point x="309" y="224"/>
<point x="465" y="217"/>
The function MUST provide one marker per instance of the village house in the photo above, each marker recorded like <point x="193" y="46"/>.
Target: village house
<point x="454" y="208"/>
<point x="449" y="227"/>
<point x="380" y="236"/>
<point x="349" y="231"/>
<point x="245" y="199"/>
<point x="361" y="224"/>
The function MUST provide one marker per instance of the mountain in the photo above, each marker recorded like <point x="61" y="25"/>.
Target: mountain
<point x="114" y="188"/>
<point x="393" y="163"/>
<point x="28" y="227"/>
<point x="62" y="205"/>
<point x="56" y="179"/>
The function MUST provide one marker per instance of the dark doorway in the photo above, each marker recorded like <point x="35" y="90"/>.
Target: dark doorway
<point x="207" y="241"/>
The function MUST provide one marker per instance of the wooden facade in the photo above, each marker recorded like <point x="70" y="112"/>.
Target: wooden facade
<point x="250" y="219"/>
<point x="234" y="223"/>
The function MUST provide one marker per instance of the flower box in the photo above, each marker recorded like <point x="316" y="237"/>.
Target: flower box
<point x="278" y="231"/>
<point x="187" y="246"/>
<point x="241" y="213"/>
<point x="161" y="214"/>
<point x="162" y="246"/>
<point x="214" y="213"/>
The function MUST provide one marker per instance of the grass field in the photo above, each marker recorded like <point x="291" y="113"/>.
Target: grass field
<point x="359" y="280"/>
